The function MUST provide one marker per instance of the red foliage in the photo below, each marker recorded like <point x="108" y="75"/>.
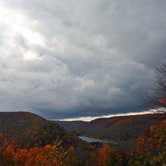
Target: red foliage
<point x="162" y="101"/>
<point x="48" y="155"/>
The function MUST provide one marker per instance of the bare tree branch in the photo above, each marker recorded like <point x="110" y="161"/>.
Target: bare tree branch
<point x="160" y="89"/>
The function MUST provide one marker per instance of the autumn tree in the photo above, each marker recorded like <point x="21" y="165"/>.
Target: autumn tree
<point x="150" y="147"/>
<point x="107" y="156"/>
<point x="71" y="157"/>
<point x="8" y="156"/>
<point x="49" y="155"/>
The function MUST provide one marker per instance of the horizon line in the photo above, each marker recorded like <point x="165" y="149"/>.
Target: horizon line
<point x="91" y="118"/>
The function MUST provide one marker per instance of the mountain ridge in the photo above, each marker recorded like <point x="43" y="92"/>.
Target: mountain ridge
<point x="123" y="130"/>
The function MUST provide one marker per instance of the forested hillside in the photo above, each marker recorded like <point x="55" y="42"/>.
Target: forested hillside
<point x="122" y="130"/>
<point x="27" y="139"/>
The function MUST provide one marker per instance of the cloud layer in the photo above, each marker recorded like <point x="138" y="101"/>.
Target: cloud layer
<point x="79" y="57"/>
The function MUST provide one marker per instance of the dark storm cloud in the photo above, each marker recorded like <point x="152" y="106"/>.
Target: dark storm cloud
<point x="79" y="57"/>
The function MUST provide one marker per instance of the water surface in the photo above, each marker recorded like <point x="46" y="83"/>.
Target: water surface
<point x="91" y="139"/>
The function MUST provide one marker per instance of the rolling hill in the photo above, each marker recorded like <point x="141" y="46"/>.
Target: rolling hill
<point x="28" y="130"/>
<point x="28" y="138"/>
<point x="123" y="130"/>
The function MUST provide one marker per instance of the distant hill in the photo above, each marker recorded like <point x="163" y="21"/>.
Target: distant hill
<point x="124" y="130"/>
<point x="28" y="130"/>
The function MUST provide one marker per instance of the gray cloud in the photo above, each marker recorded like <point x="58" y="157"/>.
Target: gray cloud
<point x="86" y="57"/>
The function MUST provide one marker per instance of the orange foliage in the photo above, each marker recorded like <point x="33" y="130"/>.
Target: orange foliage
<point x="153" y="139"/>
<point x="107" y="156"/>
<point x="48" y="155"/>
<point x="102" y="157"/>
<point x="8" y="155"/>
<point x="71" y="161"/>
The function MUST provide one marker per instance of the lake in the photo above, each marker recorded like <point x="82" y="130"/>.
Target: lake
<point x="91" y="139"/>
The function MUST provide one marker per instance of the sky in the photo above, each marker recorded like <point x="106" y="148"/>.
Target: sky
<point x="79" y="57"/>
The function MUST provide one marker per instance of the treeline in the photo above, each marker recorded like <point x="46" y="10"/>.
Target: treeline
<point x="54" y="155"/>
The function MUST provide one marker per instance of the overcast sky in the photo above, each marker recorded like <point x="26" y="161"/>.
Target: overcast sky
<point x="79" y="57"/>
